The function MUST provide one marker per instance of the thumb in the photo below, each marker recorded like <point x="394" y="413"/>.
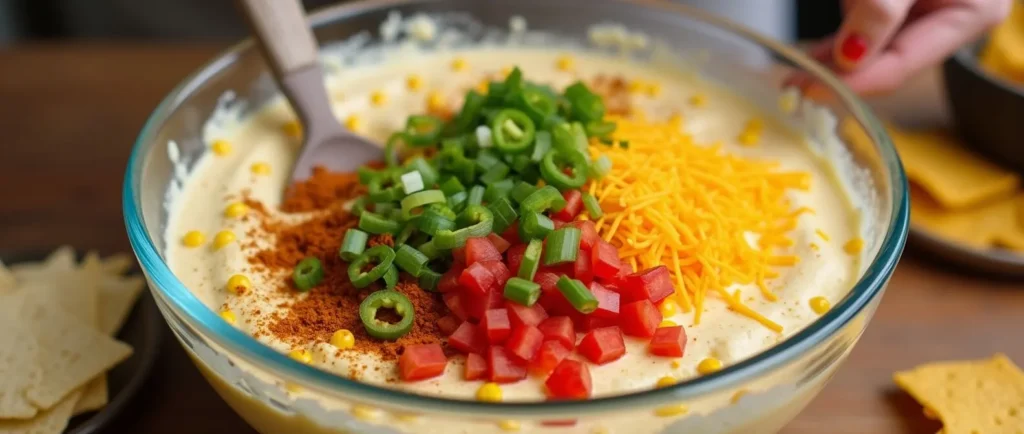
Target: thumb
<point x="867" y="29"/>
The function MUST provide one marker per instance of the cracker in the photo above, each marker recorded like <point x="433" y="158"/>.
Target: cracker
<point x="19" y="368"/>
<point x="71" y="352"/>
<point x="951" y="174"/>
<point x="969" y="397"/>
<point x="52" y="421"/>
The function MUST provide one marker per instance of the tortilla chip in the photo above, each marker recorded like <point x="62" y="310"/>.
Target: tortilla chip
<point x="7" y="280"/>
<point x="949" y="173"/>
<point x="52" y="421"/>
<point x="118" y="264"/>
<point x="19" y="369"/>
<point x="61" y="260"/>
<point x="117" y="298"/>
<point x="980" y="396"/>
<point x="1004" y="53"/>
<point x="992" y="224"/>
<point x="71" y="352"/>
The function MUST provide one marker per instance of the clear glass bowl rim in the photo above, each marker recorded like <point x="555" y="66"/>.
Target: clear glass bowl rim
<point x="211" y="326"/>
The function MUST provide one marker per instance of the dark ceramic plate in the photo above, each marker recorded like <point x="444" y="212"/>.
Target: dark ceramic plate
<point x="143" y="330"/>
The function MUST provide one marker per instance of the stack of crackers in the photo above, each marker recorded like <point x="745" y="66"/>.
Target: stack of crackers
<point x="57" y="322"/>
<point x="970" y="397"/>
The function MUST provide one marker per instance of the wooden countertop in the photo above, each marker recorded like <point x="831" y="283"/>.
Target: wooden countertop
<point x="71" y="112"/>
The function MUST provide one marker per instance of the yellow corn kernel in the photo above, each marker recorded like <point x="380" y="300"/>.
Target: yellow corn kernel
<point x="363" y="412"/>
<point x="749" y="138"/>
<point x="637" y="86"/>
<point x="458" y="64"/>
<point x="193" y="239"/>
<point x="676" y="120"/>
<point x="566" y="63"/>
<point x="223" y="238"/>
<point x="238" y="284"/>
<point x="815" y="247"/>
<point x="228" y="316"/>
<point x="671" y="410"/>
<point x="505" y="71"/>
<point x="379" y="98"/>
<point x="599" y="430"/>
<point x="292" y="128"/>
<point x="406" y="417"/>
<point x="221" y="147"/>
<point x="698" y="100"/>
<point x="354" y="123"/>
<point x="260" y="168"/>
<point x="709" y="365"/>
<point x="414" y="82"/>
<point x="676" y="364"/>
<point x="483" y="86"/>
<point x="435" y="101"/>
<point x="667" y="323"/>
<point x="292" y="387"/>
<point x="755" y="124"/>
<point x="509" y="425"/>
<point x="666" y="381"/>
<point x="668" y="308"/>
<point x="738" y="395"/>
<point x="303" y="356"/>
<point x="236" y="210"/>
<point x="653" y="89"/>
<point x="343" y="339"/>
<point x="489" y="392"/>
<point x="854" y="246"/>
<point x="820" y="305"/>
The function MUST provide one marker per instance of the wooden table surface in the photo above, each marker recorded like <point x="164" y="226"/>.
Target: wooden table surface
<point x="69" y="115"/>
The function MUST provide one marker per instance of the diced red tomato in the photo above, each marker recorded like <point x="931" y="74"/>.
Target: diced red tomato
<point x="503" y="366"/>
<point x="468" y="339"/>
<point x="559" y="223"/>
<point x="559" y="329"/>
<point x="669" y="341"/>
<point x="550" y="355"/>
<point x="477" y="279"/>
<point x="495" y="325"/>
<point x="524" y="342"/>
<point x="604" y="260"/>
<point x="654" y="284"/>
<point x="569" y="380"/>
<point x="459" y="255"/>
<point x="475" y="305"/>
<point x="515" y="258"/>
<point x="607" y="301"/>
<point x="479" y="250"/>
<point x="624" y="271"/>
<point x="421" y="361"/>
<point x="500" y="272"/>
<point x="602" y="345"/>
<point x="455" y="305"/>
<point x="476" y="367"/>
<point x="550" y="297"/>
<point x="639" y="318"/>
<point x="590" y="322"/>
<point x="512" y="234"/>
<point x="448" y="324"/>
<point x="588" y="234"/>
<point x="450" y="279"/>
<point x="582" y="268"/>
<point x="499" y="243"/>
<point x="520" y="315"/>
<point x="573" y="204"/>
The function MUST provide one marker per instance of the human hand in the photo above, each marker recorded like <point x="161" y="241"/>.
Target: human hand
<point x="882" y="43"/>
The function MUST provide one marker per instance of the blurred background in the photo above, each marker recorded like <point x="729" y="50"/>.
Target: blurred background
<point x="216" y="20"/>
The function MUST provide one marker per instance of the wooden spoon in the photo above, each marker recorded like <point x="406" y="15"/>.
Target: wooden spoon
<point x="291" y="50"/>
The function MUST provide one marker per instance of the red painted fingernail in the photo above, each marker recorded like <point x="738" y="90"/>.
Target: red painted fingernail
<point x="853" y="47"/>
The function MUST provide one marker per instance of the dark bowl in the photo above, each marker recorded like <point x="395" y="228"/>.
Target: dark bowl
<point x="988" y="111"/>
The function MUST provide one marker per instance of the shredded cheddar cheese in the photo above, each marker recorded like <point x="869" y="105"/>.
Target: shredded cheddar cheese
<point x="714" y="219"/>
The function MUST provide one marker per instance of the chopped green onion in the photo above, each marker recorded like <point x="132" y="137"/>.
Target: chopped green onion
<point x="521" y="163"/>
<point x="470" y="112"/>
<point x="412" y="182"/>
<point x="410" y="260"/>
<point x="391" y="149"/>
<point x="496" y="173"/>
<point x="498" y="190"/>
<point x="624" y="144"/>
<point x="476" y="221"/>
<point x="545" y="198"/>
<point x="415" y="201"/>
<point x="429" y="279"/>
<point x="600" y="128"/>
<point x="443" y="209"/>
<point x="577" y="294"/>
<point x="423" y="130"/>
<point x="376" y="224"/>
<point x="359" y="205"/>
<point x="425" y="169"/>
<point x="551" y="169"/>
<point x="380" y="256"/>
<point x="535" y="225"/>
<point x="457" y="200"/>
<point x="407" y="231"/>
<point x="429" y="250"/>
<point x="531" y="259"/>
<point x="476" y="195"/>
<point x="504" y="214"/>
<point x="541" y="146"/>
<point x="592" y="206"/>
<point x="451" y="185"/>
<point x="562" y="245"/>
<point x="366" y="174"/>
<point x="384" y="189"/>
<point x="308" y="273"/>
<point x="486" y="159"/>
<point x="586" y="106"/>
<point x="521" y="191"/>
<point x="384" y="208"/>
<point x="432" y="221"/>
<point x="512" y="131"/>
<point x="353" y="244"/>
<point x="522" y="291"/>
<point x="391" y="277"/>
<point x="386" y="299"/>
<point x="537" y="104"/>
<point x="465" y="169"/>
<point x="602" y="165"/>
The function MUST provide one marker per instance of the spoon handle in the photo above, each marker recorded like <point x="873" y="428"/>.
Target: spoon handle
<point x="285" y="36"/>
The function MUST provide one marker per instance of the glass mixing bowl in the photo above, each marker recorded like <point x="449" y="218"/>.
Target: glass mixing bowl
<point x="759" y="395"/>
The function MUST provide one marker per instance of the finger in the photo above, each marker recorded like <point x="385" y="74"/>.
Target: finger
<point x="867" y="29"/>
<point x="922" y="43"/>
